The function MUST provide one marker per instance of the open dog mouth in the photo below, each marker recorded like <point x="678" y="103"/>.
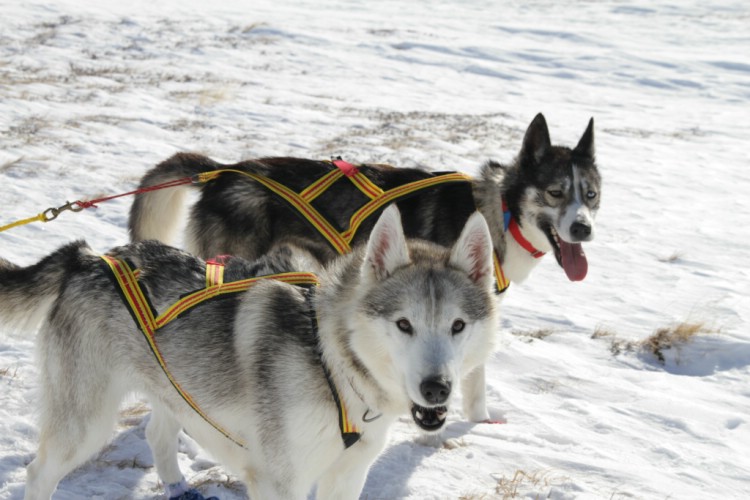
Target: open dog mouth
<point x="429" y="419"/>
<point x="570" y="256"/>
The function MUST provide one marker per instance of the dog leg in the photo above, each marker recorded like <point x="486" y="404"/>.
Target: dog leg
<point x="278" y="490"/>
<point x="71" y="431"/>
<point x="161" y="434"/>
<point x="473" y="389"/>
<point x="346" y="477"/>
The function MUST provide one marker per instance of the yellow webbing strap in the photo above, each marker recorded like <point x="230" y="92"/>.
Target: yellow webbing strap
<point x="214" y="274"/>
<point x="341" y="241"/>
<point x="501" y="281"/>
<point x="393" y="194"/>
<point x="302" y="205"/>
<point x="144" y="315"/>
<point x="369" y="188"/>
<point x="319" y="187"/>
<point x="195" y="298"/>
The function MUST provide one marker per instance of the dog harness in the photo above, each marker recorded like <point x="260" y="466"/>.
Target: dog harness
<point x="341" y="240"/>
<point x="149" y="322"/>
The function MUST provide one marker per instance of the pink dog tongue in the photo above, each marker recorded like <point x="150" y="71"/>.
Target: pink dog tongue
<point x="573" y="260"/>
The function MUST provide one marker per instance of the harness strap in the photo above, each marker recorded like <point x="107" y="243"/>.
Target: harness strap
<point x="144" y="315"/>
<point x="137" y="302"/>
<point x="337" y="241"/>
<point x="214" y="273"/>
<point x="393" y="194"/>
<point x="341" y="241"/>
<point x="501" y="282"/>
<point x="360" y="180"/>
<point x="191" y="300"/>
<point x="349" y="432"/>
<point x="319" y="187"/>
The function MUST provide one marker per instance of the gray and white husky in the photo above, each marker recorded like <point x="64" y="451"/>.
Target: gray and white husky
<point x="399" y="324"/>
<point x="549" y="195"/>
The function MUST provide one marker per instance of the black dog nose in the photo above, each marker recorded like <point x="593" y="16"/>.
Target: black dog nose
<point x="435" y="390"/>
<point x="580" y="231"/>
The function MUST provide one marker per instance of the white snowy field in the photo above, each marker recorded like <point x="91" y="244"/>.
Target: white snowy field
<point x="93" y="94"/>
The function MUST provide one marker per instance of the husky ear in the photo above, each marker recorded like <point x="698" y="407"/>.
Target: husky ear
<point x="473" y="250"/>
<point x="585" y="146"/>
<point x="386" y="248"/>
<point x="536" y="141"/>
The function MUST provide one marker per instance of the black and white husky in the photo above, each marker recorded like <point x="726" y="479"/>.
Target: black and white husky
<point x="272" y="371"/>
<point x="545" y="201"/>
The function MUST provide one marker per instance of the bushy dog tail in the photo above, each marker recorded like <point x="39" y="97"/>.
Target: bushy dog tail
<point x="27" y="293"/>
<point x="155" y="214"/>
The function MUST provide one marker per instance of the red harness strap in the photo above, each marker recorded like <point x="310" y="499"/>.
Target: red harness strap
<point x="347" y="168"/>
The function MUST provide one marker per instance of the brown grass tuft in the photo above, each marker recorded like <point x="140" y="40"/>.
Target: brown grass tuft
<point x="667" y="338"/>
<point x="671" y="258"/>
<point x="8" y="165"/>
<point x="661" y="340"/>
<point x="215" y="476"/>
<point x="6" y="372"/>
<point x="509" y="488"/>
<point x="532" y="335"/>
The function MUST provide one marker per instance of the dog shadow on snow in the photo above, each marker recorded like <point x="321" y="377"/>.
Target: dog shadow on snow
<point x="389" y="475"/>
<point x="119" y="467"/>
<point x="112" y="473"/>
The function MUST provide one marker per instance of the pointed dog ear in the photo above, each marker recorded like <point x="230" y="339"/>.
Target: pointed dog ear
<point x="386" y="248"/>
<point x="585" y="146"/>
<point x="472" y="252"/>
<point x="536" y="141"/>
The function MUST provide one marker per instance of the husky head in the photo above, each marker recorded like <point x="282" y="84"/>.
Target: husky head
<point x="554" y="193"/>
<point x="427" y="316"/>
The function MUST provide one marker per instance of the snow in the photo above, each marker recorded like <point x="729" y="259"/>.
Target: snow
<point x="96" y="93"/>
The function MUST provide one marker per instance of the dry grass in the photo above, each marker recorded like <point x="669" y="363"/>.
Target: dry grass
<point x="8" y="372"/>
<point x="616" y="345"/>
<point x="211" y="96"/>
<point x="663" y="339"/>
<point x="667" y="338"/>
<point x="474" y="496"/>
<point x="252" y="27"/>
<point x="510" y="488"/>
<point x="532" y="335"/>
<point x="215" y="476"/>
<point x="8" y="165"/>
<point x="671" y="258"/>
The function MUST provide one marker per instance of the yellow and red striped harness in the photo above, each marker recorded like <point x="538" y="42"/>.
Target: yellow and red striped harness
<point x="149" y="323"/>
<point x="341" y="240"/>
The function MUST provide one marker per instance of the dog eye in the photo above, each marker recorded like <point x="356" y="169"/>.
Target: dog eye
<point x="591" y="195"/>
<point x="555" y="193"/>
<point x="404" y="325"/>
<point x="458" y="326"/>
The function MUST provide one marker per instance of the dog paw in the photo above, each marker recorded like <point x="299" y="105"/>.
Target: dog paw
<point x="454" y="443"/>
<point x="193" y="494"/>
<point x="494" y="421"/>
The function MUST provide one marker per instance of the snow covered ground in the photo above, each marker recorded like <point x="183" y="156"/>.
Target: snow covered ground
<point x="92" y="94"/>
